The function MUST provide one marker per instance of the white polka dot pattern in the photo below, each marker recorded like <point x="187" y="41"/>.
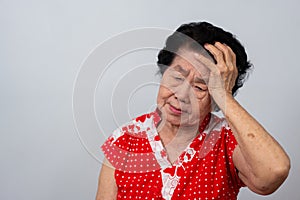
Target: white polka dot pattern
<point x="204" y="170"/>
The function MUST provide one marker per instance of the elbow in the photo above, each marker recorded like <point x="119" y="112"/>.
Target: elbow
<point x="273" y="180"/>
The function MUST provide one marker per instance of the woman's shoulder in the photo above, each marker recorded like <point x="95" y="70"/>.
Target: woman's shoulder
<point x="130" y="142"/>
<point x="137" y="126"/>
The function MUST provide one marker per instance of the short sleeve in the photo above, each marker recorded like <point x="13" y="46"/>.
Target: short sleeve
<point x="128" y="148"/>
<point x="231" y="144"/>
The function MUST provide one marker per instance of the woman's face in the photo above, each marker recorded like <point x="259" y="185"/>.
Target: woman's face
<point x="183" y="96"/>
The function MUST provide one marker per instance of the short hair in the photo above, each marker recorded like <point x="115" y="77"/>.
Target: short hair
<point x="202" y="33"/>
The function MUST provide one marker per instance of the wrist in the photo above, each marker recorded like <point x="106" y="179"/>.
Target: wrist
<point x="222" y="99"/>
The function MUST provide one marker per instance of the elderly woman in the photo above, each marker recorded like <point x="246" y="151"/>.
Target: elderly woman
<point x="183" y="151"/>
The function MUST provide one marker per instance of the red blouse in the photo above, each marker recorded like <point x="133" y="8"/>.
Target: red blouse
<point x="204" y="170"/>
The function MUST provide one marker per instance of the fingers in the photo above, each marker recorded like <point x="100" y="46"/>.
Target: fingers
<point x="222" y="53"/>
<point x="216" y="52"/>
<point x="233" y="56"/>
<point x="206" y="62"/>
<point x="225" y="68"/>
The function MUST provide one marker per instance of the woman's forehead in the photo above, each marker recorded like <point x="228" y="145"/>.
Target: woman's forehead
<point x="187" y="63"/>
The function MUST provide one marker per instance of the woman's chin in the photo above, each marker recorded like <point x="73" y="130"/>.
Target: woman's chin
<point x="181" y="121"/>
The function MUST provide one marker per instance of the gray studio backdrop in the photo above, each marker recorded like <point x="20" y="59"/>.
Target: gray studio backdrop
<point x="52" y="125"/>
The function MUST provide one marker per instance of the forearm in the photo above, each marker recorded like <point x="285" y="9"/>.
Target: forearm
<point x="264" y="157"/>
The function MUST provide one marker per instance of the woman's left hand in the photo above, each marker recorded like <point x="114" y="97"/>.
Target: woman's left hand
<point x="223" y="74"/>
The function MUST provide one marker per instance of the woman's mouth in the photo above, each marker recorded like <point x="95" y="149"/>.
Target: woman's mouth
<point x="175" y="110"/>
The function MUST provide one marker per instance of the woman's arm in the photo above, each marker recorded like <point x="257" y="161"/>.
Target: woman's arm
<point x="107" y="188"/>
<point x="262" y="163"/>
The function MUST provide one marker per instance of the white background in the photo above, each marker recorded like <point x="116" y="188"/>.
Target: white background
<point x="42" y="46"/>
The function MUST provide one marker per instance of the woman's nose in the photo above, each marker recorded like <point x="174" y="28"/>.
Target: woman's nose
<point x="182" y="94"/>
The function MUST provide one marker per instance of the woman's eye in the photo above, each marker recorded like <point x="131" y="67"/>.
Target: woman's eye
<point x="199" y="88"/>
<point x="178" y="78"/>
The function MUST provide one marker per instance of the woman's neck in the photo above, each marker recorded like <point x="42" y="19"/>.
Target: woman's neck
<point x="177" y="135"/>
